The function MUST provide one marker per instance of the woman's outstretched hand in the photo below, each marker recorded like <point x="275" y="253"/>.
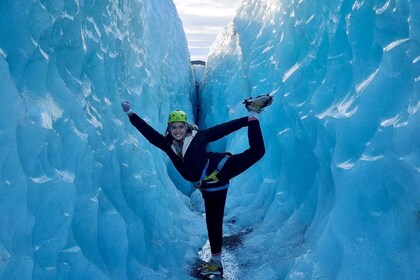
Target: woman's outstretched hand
<point x="125" y="104"/>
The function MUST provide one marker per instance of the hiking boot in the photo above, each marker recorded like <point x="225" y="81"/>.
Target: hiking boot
<point x="258" y="103"/>
<point x="212" y="268"/>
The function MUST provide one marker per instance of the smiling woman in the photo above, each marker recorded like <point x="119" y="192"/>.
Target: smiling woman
<point x="203" y="21"/>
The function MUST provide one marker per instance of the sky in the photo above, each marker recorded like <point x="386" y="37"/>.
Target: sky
<point x="203" y="21"/>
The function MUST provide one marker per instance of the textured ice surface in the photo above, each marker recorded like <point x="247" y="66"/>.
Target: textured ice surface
<point x="84" y="196"/>
<point x="337" y="194"/>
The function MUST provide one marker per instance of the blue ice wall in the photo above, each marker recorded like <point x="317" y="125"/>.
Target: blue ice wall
<point x="82" y="196"/>
<point x="337" y="194"/>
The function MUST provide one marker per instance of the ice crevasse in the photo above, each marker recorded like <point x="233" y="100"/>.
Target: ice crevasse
<point x="84" y="196"/>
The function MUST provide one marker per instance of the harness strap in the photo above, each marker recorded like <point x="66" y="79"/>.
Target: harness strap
<point x="212" y="178"/>
<point x="222" y="162"/>
<point x="216" y="188"/>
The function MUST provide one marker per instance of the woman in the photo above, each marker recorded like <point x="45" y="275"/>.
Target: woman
<point x="210" y="172"/>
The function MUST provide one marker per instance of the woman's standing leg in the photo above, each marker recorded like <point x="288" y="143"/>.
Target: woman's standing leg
<point x="215" y="206"/>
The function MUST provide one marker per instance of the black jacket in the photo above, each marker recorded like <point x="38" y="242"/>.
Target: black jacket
<point x="192" y="164"/>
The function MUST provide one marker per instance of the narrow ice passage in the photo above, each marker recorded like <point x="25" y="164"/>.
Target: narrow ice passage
<point x="83" y="196"/>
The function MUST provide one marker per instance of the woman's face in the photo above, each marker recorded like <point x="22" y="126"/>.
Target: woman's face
<point x="178" y="130"/>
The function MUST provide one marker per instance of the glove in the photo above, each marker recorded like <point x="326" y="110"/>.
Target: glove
<point x="126" y="107"/>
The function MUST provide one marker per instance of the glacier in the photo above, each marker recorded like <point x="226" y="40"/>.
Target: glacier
<point x="84" y="196"/>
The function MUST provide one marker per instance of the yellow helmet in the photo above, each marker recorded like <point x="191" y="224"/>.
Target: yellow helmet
<point x="177" y="116"/>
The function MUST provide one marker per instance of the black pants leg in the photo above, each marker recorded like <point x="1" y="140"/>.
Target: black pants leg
<point x="215" y="208"/>
<point x="238" y="163"/>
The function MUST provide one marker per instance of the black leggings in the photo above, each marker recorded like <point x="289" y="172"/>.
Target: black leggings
<point x="236" y="164"/>
<point x="215" y="207"/>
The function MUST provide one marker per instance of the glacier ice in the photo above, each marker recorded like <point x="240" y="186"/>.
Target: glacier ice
<point x="81" y="194"/>
<point x="84" y="196"/>
<point x="338" y="195"/>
